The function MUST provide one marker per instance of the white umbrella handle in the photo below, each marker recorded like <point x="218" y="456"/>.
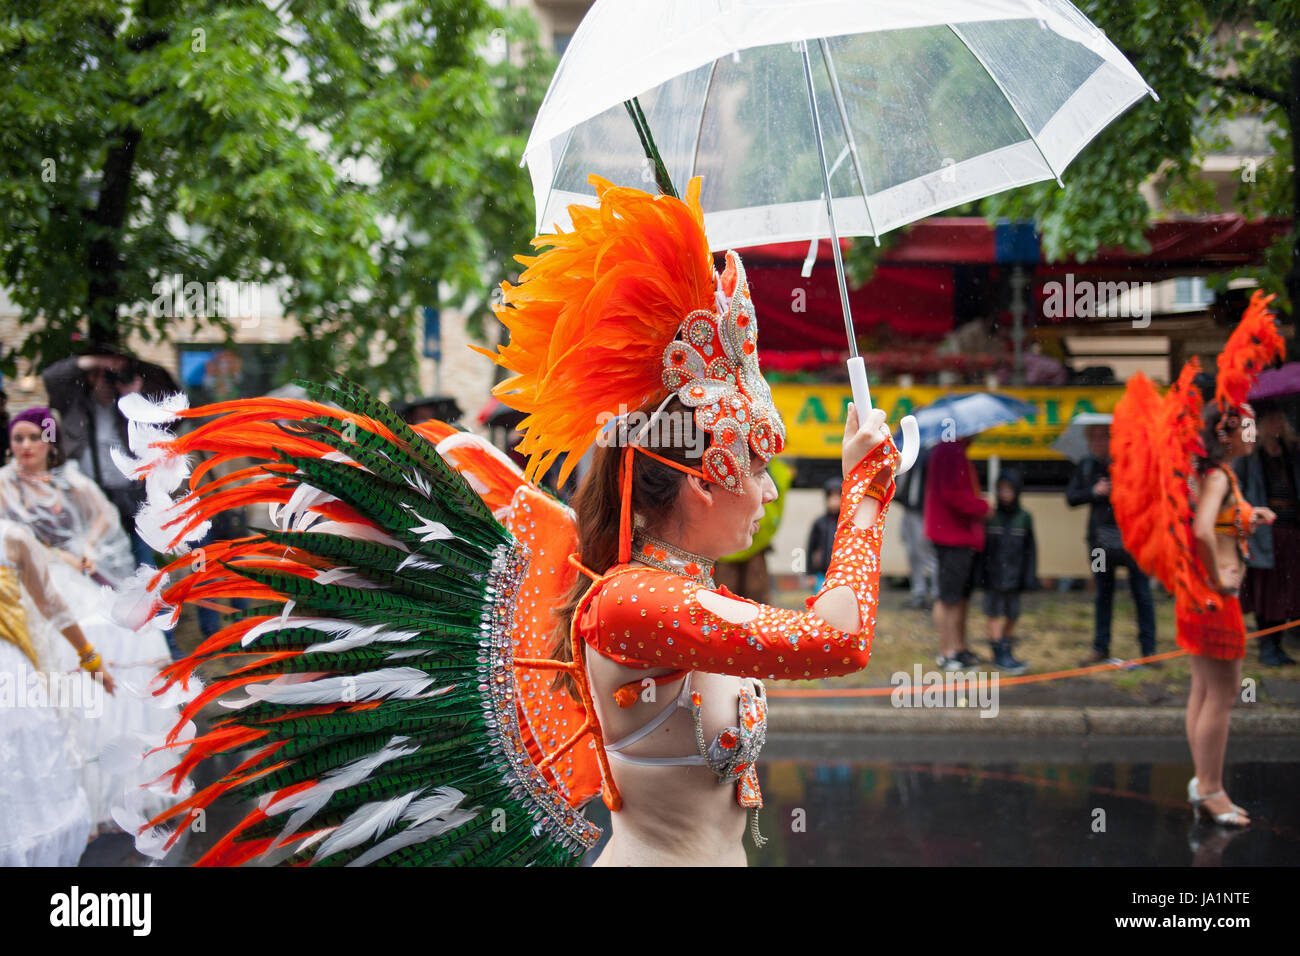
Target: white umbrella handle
<point x="862" y="401"/>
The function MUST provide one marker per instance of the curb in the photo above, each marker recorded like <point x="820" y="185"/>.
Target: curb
<point x="836" y="718"/>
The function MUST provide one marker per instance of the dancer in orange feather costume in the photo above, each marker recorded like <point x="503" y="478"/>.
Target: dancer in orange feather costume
<point x="1179" y="508"/>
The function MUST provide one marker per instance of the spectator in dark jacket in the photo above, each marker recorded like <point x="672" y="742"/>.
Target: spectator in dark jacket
<point x="954" y="521"/>
<point x="822" y="535"/>
<point x="1010" y="567"/>
<point x="1090" y="485"/>
<point x="923" y="566"/>
<point x="84" y="389"/>
<point x="1271" y="478"/>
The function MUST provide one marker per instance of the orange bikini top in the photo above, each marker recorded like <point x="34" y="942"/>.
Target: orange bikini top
<point x="1235" y="516"/>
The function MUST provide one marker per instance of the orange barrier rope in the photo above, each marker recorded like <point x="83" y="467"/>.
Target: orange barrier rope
<point x="1009" y="681"/>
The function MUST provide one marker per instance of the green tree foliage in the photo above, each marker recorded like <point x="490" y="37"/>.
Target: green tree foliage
<point x="1211" y="63"/>
<point x="354" y="155"/>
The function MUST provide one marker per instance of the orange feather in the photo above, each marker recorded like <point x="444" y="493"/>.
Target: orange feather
<point x="593" y="313"/>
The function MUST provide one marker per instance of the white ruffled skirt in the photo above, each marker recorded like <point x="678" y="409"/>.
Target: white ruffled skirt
<point x="112" y="733"/>
<point x="45" y="817"/>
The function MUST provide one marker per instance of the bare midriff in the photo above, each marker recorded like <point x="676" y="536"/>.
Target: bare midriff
<point x="671" y="816"/>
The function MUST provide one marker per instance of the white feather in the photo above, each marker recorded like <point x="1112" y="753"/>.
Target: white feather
<point x="428" y="529"/>
<point x="344" y="576"/>
<point x="149" y="521"/>
<point x="413" y="560"/>
<point x="135" y="603"/>
<point x="149" y="840"/>
<point x="306" y="803"/>
<point x="418" y="482"/>
<point x="326" y="624"/>
<point x="353" y="529"/>
<point x="137" y="408"/>
<point x="429" y="817"/>
<point x="364" y="823"/>
<point x="390" y="683"/>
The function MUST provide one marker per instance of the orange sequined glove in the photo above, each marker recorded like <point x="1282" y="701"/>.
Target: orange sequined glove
<point x="855" y="554"/>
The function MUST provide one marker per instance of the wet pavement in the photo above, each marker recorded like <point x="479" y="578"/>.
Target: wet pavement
<point x="934" y="800"/>
<point x="930" y="801"/>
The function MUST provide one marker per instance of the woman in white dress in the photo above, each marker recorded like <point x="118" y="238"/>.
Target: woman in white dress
<point x="44" y="813"/>
<point x="88" y="556"/>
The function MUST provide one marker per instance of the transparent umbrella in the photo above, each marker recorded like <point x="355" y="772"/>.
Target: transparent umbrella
<point x="810" y="118"/>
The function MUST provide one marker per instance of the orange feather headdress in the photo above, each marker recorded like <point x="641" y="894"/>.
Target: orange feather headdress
<point x="622" y="311"/>
<point x="1253" y="345"/>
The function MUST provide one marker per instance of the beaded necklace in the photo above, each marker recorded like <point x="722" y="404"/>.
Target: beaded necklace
<point x="669" y="557"/>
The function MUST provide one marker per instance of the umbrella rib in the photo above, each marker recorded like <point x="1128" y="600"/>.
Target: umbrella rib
<point x="555" y="171"/>
<point x="848" y="133"/>
<point x="1028" y="132"/>
<point x="699" y="132"/>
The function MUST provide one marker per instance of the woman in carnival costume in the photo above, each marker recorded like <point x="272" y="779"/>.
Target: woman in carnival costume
<point x="45" y="818"/>
<point x="446" y="663"/>
<point x="89" y="559"/>
<point x="1176" y="495"/>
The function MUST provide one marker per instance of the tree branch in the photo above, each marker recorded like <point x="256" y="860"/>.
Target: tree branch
<point x="1248" y="88"/>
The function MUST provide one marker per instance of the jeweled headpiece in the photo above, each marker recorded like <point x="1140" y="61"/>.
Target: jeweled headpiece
<point x="713" y="368"/>
<point x="622" y="311"/>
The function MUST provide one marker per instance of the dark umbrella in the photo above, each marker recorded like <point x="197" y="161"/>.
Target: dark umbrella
<point x="963" y="415"/>
<point x="1277" y="383"/>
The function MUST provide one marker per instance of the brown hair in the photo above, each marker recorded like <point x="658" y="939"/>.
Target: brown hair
<point x="655" y="487"/>
<point x="1216" y="451"/>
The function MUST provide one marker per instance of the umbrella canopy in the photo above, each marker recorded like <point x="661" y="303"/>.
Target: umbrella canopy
<point x="1277" y="383"/>
<point x="921" y="107"/>
<point x="1073" y="441"/>
<point x="963" y="415"/>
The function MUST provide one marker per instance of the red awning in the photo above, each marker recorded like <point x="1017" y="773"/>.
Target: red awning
<point x="911" y="294"/>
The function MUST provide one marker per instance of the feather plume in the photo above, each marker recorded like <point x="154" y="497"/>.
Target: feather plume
<point x="1251" y="348"/>
<point x="305" y="803"/>
<point x="367" y="822"/>
<point x="594" y="312"/>
<point x="390" y="683"/>
<point x="428" y="817"/>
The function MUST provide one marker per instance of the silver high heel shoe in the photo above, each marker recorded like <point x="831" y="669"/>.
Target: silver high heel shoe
<point x="1236" y="817"/>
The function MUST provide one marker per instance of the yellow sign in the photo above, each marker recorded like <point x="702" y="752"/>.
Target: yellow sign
<point x="814" y="416"/>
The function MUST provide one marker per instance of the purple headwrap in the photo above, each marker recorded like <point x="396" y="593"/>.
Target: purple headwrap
<point x="37" y="416"/>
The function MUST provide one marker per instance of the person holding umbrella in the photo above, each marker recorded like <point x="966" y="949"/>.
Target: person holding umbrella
<point x="84" y="389"/>
<point x="1090" y="485"/>
<point x="955" y="509"/>
<point x="1270" y="478"/>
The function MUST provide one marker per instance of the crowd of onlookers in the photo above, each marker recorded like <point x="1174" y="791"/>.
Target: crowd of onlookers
<point x="956" y="541"/>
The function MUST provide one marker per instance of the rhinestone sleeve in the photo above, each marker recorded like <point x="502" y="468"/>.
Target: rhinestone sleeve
<point x="645" y="617"/>
<point x="855" y="553"/>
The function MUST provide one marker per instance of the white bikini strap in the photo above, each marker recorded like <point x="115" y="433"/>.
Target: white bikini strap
<point x="653" y="724"/>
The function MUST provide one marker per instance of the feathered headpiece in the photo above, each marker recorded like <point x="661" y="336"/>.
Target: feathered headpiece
<point x="622" y="311"/>
<point x="1253" y="345"/>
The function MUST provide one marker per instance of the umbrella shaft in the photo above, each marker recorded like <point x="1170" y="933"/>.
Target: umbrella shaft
<point x="830" y="205"/>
